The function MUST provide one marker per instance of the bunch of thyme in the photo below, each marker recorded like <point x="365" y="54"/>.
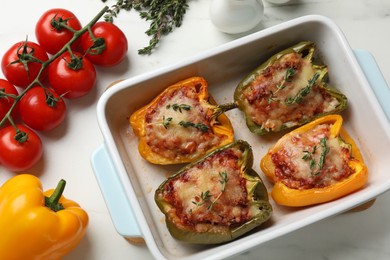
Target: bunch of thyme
<point x="165" y="15"/>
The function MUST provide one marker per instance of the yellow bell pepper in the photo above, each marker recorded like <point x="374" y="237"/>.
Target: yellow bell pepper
<point x="218" y="123"/>
<point x="284" y="194"/>
<point x="35" y="224"/>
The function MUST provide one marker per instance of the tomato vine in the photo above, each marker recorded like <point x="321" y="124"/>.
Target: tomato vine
<point x="40" y="106"/>
<point x="45" y="64"/>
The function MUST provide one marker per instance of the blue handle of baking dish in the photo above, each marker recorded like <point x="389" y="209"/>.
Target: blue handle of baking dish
<point x="114" y="195"/>
<point x="119" y="207"/>
<point x="375" y="78"/>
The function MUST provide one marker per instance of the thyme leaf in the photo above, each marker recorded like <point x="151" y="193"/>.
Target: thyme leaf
<point x="165" y="15"/>
<point x="166" y="121"/>
<point x="180" y="108"/>
<point x="202" y="127"/>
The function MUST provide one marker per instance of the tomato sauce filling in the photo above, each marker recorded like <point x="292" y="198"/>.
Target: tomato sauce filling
<point x="265" y="97"/>
<point x="183" y="131"/>
<point x="203" y="195"/>
<point x="298" y="162"/>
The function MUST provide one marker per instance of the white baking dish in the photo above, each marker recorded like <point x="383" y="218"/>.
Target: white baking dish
<point x="128" y="182"/>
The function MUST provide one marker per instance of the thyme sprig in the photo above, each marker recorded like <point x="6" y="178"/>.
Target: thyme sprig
<point x="179" y="107"/>
<point x="166" y="122"/>
<point x="202" y="127"/>
<point x="325" y="151"/>
<point x="309" y="156"/>
<point x="165" y="15"/>
<point x="290" y="72"/>
<point x="206" y="196"/>
<point x="223" y="180"/>
<point x="202" y="199"/>
<point x="303" y="92"/>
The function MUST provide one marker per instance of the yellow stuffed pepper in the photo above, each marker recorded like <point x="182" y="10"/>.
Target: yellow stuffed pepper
<point x="316" y="163"/>
<point x="37" y="225"/>
<point x="181" y="124"/>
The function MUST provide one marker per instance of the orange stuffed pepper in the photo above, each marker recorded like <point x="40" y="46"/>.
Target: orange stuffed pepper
<point x="181" y="124"/>
<point x="316" y="163"/>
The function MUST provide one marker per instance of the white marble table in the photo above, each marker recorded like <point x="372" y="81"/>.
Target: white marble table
<point x="366" y="23"/>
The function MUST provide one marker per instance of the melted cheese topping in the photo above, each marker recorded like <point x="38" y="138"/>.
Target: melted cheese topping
<point x="265" y="97"/>
<point x="297" y="163"/>
<point x="203" y="195"/>
<point x="165" y="134"/>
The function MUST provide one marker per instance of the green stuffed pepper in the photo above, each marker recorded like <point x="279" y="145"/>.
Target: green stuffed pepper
<point x="216" y="198"/>
<point x="286" y="91"/>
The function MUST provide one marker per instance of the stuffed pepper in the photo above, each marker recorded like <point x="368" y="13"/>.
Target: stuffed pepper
<point x="315" y="163"/>
<point x="181" y="124"/>
<point x="286" y="91"/>
<point x="216" y="198"/>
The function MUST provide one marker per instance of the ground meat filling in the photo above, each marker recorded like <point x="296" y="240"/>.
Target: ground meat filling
<point x="213" y="192"/>
<point x="179" y="125"/>
<point x="265" y="98"/>
<point x="297" y="163"/>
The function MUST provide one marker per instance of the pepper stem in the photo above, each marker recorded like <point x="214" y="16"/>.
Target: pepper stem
<point x="224" y="107"/>
<point x="52" y="202"/>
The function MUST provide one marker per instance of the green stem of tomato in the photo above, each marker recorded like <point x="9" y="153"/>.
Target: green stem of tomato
<point x="76" y="35"/>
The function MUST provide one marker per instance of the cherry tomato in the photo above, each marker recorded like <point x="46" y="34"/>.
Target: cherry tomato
<point x="115" y="44"/>
<point x="20" y="56"/>
<point x="42" y="108"/>
<point x="72" y="82"/>
<point x="5" y="101"/>
<point x="50" y="32"/>
<point x="22" y="152"/>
